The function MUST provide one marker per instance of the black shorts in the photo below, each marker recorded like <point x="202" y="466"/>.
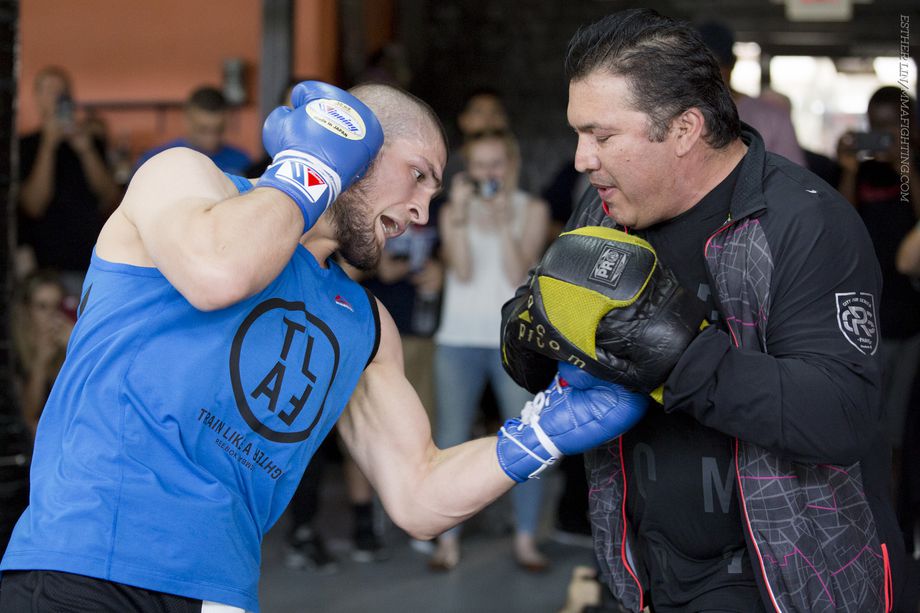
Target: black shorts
<point x="46" y="591"/>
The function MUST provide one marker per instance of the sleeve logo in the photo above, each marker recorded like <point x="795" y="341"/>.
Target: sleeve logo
<point x="337" y="117"/>
<point x="856" y="319"/>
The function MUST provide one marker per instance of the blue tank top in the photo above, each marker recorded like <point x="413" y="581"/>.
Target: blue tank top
<point x="174" y="438"/>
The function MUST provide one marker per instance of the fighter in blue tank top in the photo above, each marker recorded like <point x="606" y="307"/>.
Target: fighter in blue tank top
<point x="200" y="425"/>
<point x="217" y="344"/>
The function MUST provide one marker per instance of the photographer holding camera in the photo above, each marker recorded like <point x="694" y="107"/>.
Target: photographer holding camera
<point x="492" y="233"/>
<point x="67" y="189"/>
<point x="876" y="181"/>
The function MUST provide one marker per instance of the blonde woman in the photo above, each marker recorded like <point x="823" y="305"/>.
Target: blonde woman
<point x="492" y="233"/>
<point x="40" y="336"/>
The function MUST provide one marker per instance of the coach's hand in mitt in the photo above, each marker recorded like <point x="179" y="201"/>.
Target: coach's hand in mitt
<point x="602" y="301"/>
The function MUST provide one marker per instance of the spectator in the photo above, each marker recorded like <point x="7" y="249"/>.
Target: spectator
<point x="563" y="191"/>
<point x="67" y="189"/>
<point x="40" y="334"/>
<point x="872" y="180"/>
<point x="206" y="113"/>
<point x="492" y="233"/>
<point x="408" y="282"/>
<point x="773" y="123"/>
<point x="306" y="545"/>
<point x="823" y="166"/>
<point x="482" y="111"/>
<point x="908" y="260"/>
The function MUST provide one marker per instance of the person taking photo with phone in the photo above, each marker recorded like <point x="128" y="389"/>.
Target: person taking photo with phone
<point x="878" y="182"/>
<point x="67" y="190"/>
<point x="492" y="233"/>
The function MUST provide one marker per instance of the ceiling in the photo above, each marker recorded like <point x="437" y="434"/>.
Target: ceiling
<point x="875" y="28"/>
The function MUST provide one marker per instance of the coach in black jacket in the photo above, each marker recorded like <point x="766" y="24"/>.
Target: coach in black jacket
<point x="762" y="482"/>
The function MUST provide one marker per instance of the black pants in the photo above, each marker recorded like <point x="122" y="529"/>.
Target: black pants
<point x="43" y="591"/>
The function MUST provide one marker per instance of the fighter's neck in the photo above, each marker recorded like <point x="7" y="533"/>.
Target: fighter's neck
<point x="320" y="241"/>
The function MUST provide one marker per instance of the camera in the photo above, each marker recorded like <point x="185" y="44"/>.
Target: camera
<point x="65" y="109"/>
<point x="488" y="188"/>
<point x="872" y="142"/>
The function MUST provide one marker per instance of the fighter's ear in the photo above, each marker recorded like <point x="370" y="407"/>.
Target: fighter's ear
<point x="688" y="129"/>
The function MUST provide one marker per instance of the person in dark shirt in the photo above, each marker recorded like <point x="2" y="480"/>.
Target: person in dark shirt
<point x="878" y="183"/>
<point x="205" y="123"/>
<point x="760" y="482"/>
<point x="67" y="189"/>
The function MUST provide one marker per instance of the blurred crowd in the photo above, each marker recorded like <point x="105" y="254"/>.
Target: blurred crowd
<point x="444" y="283"/>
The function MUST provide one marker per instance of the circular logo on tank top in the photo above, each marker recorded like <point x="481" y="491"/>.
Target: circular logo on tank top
<point x="282" y="364"/>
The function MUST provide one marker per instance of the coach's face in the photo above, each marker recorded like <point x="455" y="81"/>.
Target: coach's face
<point x="634" y="176"/>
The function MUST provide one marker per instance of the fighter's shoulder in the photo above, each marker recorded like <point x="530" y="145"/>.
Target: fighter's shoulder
<point x="179" y="171"/>
<point x="161" y="189"/>
<point x="389" y="349"/>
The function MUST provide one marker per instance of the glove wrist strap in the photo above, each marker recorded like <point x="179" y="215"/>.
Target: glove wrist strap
<point x="518" y="451"/>
<point x="544" y="439"/>
<point x="310" y="183"/>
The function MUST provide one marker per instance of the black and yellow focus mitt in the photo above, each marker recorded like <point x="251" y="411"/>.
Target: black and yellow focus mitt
<point x="600" y="300"/>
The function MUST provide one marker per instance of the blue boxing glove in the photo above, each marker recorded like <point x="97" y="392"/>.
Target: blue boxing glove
<point x="575" y="413"/>
<point x="319" y="147"/>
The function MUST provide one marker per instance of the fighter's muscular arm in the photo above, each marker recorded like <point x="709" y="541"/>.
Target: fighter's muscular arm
<point x="182" y="215"/>
<point x="425" y="490"/>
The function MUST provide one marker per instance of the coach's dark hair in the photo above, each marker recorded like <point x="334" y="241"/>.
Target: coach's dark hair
<point x="668" y="68"/>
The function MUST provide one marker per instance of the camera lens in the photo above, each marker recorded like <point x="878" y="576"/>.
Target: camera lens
<point x="489" y="188"/>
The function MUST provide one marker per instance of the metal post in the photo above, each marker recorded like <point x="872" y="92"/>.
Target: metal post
<point x="275" y="68"/>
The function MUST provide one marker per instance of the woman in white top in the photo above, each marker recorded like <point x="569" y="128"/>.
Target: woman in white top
<point x="492" y="234"/>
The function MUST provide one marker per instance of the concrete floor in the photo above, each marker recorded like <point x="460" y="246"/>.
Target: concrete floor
<point x="487" y="579"/>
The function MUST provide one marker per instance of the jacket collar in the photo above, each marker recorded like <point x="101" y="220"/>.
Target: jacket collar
<point x="747" y="199"/>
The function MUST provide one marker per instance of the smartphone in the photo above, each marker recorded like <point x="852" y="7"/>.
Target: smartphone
<point x="488" y="189"/>
<point x="65" y="109"/>
<point x="872" y="142"/>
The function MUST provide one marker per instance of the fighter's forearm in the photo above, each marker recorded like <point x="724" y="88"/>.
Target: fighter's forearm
<point x="425" y="490"/>
<point x="460" y="481"/>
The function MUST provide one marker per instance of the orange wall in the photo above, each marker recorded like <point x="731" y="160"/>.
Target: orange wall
<point x="160" y="51"/>
<point x="378" y="24"/>
<point x="316" y="40"/>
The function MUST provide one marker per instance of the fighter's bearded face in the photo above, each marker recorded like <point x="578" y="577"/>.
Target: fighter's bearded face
<point x="395" y="192"/>
<point x="354" y="224"/>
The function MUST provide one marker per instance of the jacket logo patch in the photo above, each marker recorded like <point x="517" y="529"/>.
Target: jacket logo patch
<point x="856" y="319"/>
<point x="609" y="266"/>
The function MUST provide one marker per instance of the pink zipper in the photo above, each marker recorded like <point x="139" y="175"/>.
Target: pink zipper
<point x="889" y="596"/>
<point x="623" y="536"/>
